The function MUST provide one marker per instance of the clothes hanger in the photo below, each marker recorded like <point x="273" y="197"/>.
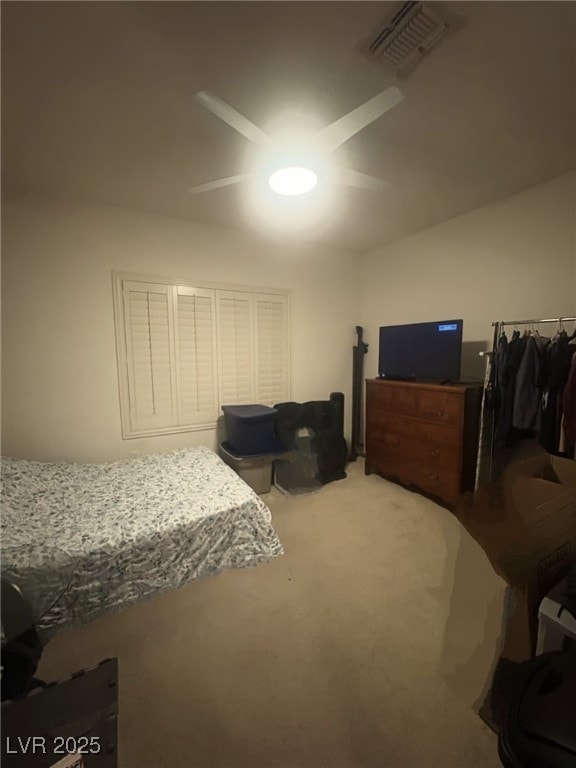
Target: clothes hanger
<point x="558" y="329"/>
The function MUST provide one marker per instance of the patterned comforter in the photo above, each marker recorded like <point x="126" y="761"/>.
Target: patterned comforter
<point x="83" y="539"/>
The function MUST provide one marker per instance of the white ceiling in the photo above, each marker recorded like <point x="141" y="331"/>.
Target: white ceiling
<point x="98" y="104"/>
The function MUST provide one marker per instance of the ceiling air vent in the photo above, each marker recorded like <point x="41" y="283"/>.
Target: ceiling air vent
<point x="408" y="36"/>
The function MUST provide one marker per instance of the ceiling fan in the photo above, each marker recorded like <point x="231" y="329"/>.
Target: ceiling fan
<point x="295" y="170"/>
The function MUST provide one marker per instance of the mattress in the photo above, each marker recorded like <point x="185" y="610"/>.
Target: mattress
<point x="85" y="539"/>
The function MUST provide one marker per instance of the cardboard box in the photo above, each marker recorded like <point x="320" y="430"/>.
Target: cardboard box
<point x="526" y="524"/>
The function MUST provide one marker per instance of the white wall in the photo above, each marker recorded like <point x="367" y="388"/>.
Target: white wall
<point x="60" y="385"/>
<point x="512" y="259"/>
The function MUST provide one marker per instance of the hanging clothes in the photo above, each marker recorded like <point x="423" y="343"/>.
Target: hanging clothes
<point x="560" y="358"/>
<point x="529" y="382"/>
<point x="569" y="410"/>
<point x="499" y="368"/>
<point x="531" y="395"/>
<point x="501" y="377"/>
<point x="510" y="436"/>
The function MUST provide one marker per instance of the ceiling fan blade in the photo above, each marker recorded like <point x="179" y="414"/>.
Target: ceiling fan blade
<point x="350" y="178"/>
<point x="210" y="185"/>
<point x="341" y="130"/>
<point x="233" y="118"/>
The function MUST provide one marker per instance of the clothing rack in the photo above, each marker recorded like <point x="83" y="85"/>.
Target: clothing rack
<point x="535" y="322"/>
<point x="485" y="463"/>
<point x="501" y="323"/>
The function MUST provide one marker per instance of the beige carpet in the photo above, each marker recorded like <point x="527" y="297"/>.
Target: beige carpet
<point x="368" y="644"/>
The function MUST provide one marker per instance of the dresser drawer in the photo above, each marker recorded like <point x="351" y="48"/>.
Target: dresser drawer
<point x="443" y="407"/>
<point x="422" y="430"/>
<point x="439" y="481"/>
<point x="436" y="454"/>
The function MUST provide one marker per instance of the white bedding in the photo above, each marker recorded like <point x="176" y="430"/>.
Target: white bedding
<point x="100" y="537"/>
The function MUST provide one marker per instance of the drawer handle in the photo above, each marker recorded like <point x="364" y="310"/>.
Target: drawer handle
<point x="435" y="452"/>
<point x="440" y="413"/>
<point x="433" y="476"/>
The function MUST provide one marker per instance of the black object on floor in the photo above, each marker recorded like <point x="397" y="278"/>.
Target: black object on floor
<point x="314" y="433"/>
<point x="497" y="701"/>
<point x="298" y="472"/>
<point x="538" y="729"/>
<point x="19" y="659"/>
<point x="21" y="646"/>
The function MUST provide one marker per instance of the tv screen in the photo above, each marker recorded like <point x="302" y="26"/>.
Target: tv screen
<point x="421" y="351"/>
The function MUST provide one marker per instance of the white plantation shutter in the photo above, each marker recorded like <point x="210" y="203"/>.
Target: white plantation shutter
<point x="235" y="345"/>
<point x="272" y="350"/>
<point x="196" y="345"/>
<point x="185" y="350"/>
<point x="150" y="358"/>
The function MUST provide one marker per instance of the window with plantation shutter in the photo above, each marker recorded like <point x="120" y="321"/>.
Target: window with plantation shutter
<point x="185" y="350"/>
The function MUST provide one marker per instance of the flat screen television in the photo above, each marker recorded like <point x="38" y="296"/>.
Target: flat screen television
<point x="425" y="351"/>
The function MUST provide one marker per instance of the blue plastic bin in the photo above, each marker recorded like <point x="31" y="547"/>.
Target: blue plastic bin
<point x="250" y="429"/>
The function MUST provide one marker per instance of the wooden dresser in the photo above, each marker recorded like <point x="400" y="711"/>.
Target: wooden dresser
<point x="424" y="435"/>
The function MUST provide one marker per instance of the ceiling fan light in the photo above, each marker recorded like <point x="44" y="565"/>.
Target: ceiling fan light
<point x="293" y="181"/>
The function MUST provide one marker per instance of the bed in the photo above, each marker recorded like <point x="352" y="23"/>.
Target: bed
<point x="86" y="539"/>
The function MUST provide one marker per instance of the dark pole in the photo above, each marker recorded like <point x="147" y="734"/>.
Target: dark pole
<point x="358" y="353"/>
